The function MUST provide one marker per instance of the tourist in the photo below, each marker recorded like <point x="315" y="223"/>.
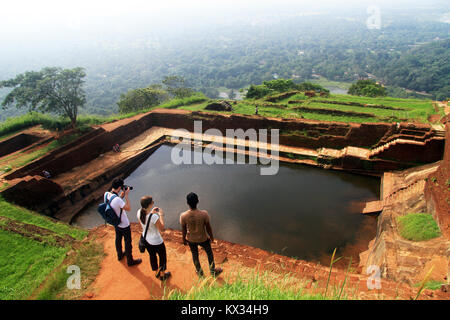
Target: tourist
<point x="196" y="229"/>
<point x="152" y="223"/>
<point x="123" y="230"/>
<point x="46" y="174"/>
<point x="256" y="110"/>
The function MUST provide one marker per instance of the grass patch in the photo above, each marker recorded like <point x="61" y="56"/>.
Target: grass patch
<point x="22" y="158"/>
<point x="88" y="258"/>
<point x="411" y="109"/>
<point x="431" y="285"/>
<point x="329" y="84"/>
<point x="23" y="215"/>
<point x="50" y="122"/>
<point x="418" y="227"/>
<point x="257" y="287"/>
<point x="24" y="264"/>
<point x="174" y="103"/>
<point x="27" y="259"/>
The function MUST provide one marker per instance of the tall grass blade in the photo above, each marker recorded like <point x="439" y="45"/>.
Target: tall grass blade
<point x="333" y="261"/>
<point x="422" y="285"/>
<point x="345" y="279"/>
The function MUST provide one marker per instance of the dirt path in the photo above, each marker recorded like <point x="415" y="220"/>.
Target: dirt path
<point x="117" y="281"/>
<point x="445" y="106"/>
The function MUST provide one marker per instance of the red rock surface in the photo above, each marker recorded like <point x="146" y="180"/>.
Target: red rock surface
<point x="437" y="189"/>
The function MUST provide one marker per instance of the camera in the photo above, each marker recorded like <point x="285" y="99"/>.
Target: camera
<point x="125" y="187"/>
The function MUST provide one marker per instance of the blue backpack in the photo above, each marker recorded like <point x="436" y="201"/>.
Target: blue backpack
<point x="108" y="213"/>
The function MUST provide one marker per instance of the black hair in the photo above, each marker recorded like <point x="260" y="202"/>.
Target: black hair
<point x="145" y="202"/>
<point x="117" y="183"/>
<point x="192" y="200"/>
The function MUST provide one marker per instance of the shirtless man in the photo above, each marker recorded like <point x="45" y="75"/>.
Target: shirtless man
<point x="197" y="232"/>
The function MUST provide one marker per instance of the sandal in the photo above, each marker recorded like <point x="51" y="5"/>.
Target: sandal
<point x="165" y="276"/>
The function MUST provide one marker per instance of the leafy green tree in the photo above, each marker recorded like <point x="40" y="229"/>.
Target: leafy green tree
<point x="142" y="98"/>
<point x="52" y="90"/>
<point x="308" y="86"/>
<point x="368" y="88"/>
<point x="443" y="94"/>
<point x="256" y="92"/>
<point x="176" y="87"/>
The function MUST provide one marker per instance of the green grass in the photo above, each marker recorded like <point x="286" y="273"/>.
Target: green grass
<point x="184" y="101"/>
<point x="431" y="285"/>
<point x="22" y="158"/>
<point x="26" y="260"/>
<point x="409" y="109"/>
<point x="15" y="124"/>
<point x="257" y="287"/>
<point x="331" y="84"/>
<point x="418" y="227"/>
<point x="24" y="264"/>
<point x="26" y="216"/>
<point x="88" y="258"/>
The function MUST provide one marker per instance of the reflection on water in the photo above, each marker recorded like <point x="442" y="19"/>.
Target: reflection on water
<point x="302" y="211"/>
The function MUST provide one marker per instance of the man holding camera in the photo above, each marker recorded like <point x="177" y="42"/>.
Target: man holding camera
<point x="123" y="230"/>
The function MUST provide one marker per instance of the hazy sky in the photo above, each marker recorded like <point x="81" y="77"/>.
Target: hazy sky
<point x="29" y="26"/>
<point x="44" y="15"/>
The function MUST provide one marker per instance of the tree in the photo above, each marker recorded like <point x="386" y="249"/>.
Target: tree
<point x="176" y="87"/>
<point x="368" y="88"/>
<point x="53" y="90"/>
<point x="258" y="91"/>
<point x="308" y="86"/>
<point x="142" y="98"/>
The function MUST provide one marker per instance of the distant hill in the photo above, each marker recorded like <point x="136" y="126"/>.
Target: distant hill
<point x="425" y="69"/>
<point x="237" y="55"/>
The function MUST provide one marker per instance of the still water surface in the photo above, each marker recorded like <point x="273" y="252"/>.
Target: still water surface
<point x="302" y="211"/>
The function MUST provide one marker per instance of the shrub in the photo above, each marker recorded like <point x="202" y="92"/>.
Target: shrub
<point x="418" y="227"/>
<point x="367" y="88"/>
<point x="257" y="92"/>
<point x="141" y="98"/>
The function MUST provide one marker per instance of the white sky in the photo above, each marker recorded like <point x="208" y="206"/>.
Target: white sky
<point x="30" y="12"/>
<point x="29" y="18"/>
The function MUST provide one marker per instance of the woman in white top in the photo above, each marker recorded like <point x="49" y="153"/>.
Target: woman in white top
<point x="154" y="242"/>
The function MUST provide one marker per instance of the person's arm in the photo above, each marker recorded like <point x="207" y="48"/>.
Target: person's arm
<point x="160" y="222"/>
<point x="127" y="206"/>
<point x="208" y="228"/>
<point x="184" y="230"/>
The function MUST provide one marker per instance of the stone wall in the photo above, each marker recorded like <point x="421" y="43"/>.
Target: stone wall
<point x="32" y="192"/>
<point x="437" y="189"/>
<point x="86" y="148"/>
<point x="400" y="259"/>
<point x="16" y="142"/>
<point x="293" y="132"/>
